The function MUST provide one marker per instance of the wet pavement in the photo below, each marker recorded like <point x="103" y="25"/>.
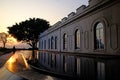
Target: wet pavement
<point x="5" y="74"/>
<point x="4" y="58"/>
<point x="16" y="68"/>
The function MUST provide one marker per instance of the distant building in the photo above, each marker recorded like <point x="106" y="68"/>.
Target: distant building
<point x="91" y="29"/>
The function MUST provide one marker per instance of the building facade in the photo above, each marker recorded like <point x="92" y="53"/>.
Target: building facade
<point x="92" y="29"/>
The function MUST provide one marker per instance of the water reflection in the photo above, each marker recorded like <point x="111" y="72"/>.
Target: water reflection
<point x="18" y="65"/>
<point x="25" y="62"/>
<point x="17" y="62"/>
<point x="49" y="78"/>
<point x="101" y="71"/>
<point x="84" y="68"/>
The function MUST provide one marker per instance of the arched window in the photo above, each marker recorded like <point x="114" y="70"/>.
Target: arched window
<point x="77" y="39"/>
<point x="99" y="36"/>
<point x="65" y="41"/>
<point x="44" y="44"/>
<point x="52" y="42"/>
<point x="48" y="43"/>
<point x="56" y="42"/>
<point x="40" y="44"/>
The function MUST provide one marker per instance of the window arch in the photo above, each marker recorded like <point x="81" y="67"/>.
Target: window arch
<point x="77" y="39"/>
<point x="56" y="42"/>
<point x="65" y="41"/>
<point x="48" y="43"/>
<point x="52" y="42"/>
<point x="99" y="36"/>
<point x="44" y="44"/>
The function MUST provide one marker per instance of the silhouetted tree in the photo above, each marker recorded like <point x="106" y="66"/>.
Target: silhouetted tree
<point x="3" y="38"/>
<point x="28" y="31"/>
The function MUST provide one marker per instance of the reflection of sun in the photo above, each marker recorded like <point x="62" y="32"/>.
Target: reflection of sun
<point x="11" y="60"/>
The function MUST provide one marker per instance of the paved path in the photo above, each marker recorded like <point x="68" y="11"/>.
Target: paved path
<point x="4" y="58"/>
<point x="5" y="74"/>
<point x="14" y="69"/>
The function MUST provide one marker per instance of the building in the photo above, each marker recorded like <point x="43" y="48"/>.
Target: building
<point x="92" y="29"/>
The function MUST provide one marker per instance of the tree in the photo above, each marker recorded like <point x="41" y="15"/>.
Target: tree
<point x="27" y="31"/>
<point x="3" y="38"/>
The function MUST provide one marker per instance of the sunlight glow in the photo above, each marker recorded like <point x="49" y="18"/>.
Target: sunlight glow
<point x="11" y="39"/>
<point x="26" y="64"/>
<point x="49" y="78"/>
<point x="12" y="60"/>
<point x="16" y="60"/>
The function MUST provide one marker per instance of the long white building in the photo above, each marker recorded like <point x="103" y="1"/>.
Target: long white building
<point x="80" y="44"/>
<point x="91" y="29"/>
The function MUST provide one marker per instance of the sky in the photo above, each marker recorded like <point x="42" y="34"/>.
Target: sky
<point x="15" y="11"/>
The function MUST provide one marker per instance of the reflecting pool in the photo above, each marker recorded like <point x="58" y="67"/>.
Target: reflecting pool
<point x="82" y="67"/>
<point x="75" y="66"/>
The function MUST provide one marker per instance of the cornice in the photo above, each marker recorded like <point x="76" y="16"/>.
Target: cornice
<point x="84" y="10"/>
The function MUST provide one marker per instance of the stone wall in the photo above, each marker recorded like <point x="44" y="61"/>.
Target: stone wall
<point x="104" y="11"/>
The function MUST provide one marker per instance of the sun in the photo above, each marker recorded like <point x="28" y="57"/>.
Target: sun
<point x="12" y="40"/>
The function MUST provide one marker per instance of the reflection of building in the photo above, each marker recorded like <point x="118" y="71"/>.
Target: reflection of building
<point x="92" y="29"/>
<point x="83" y="68"/>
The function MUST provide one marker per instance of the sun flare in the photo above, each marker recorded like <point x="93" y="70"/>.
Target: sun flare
<point x="11" y="39"/>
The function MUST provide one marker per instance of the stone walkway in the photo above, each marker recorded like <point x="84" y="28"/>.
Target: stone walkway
<point x="5" y="74"/>
<point x="24" y="74"/>
<point x="4" y="58"/>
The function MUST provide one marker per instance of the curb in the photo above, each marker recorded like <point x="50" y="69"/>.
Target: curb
<point x="55" y="74"/>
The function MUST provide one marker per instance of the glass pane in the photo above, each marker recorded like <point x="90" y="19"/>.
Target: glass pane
<point x="99" y="36"/>
<point x="101" y="39"/>
<point x="77" y="39"/>
<point x="97" y="39"/>
<point x="64" y="41"/>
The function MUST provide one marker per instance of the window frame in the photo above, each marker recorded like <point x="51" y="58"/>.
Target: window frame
<point x="95" y="35"/>
<point x="65" y="43"/>
<point x="52" y="42"/>
<point x="55" y="42"/>
<point x="76" y="36"/>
